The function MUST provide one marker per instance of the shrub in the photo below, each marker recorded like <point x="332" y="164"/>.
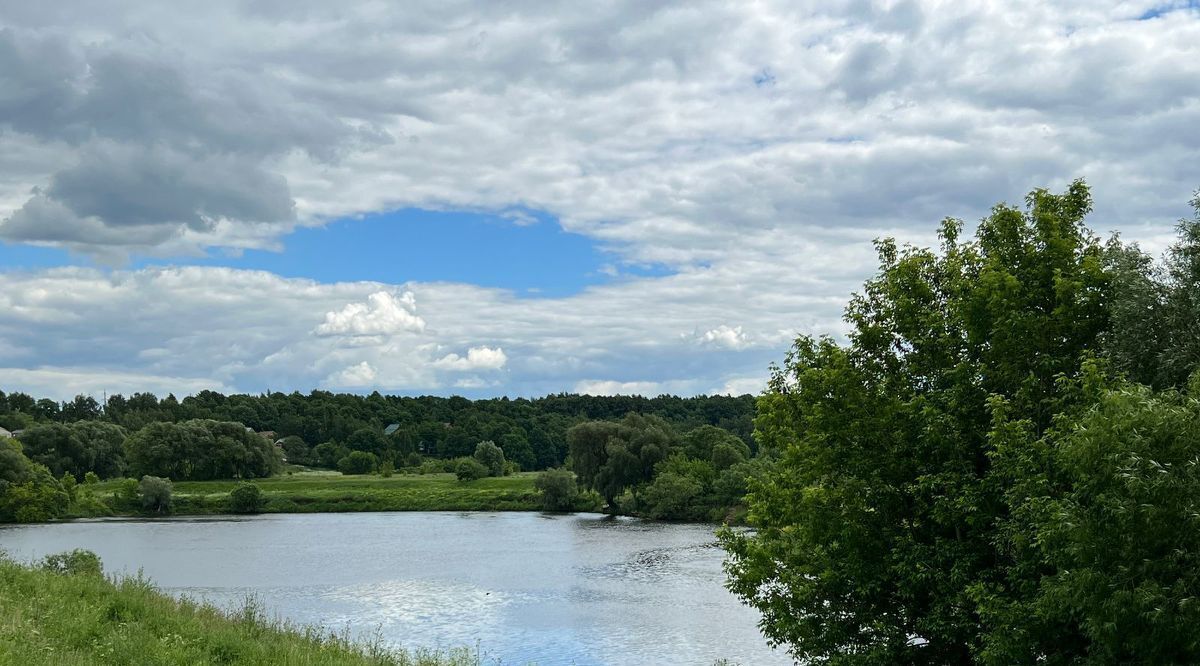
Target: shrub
<point x="246" y="498"/>
<point x="469" y="469"/>
<point x="387" y="469"/>
<point x="358" y="462"/>
<point x="91" y="479"/>
<point x="558" y="489"/>
<point x="78" y="562"/>
<point x="155" y="493"/>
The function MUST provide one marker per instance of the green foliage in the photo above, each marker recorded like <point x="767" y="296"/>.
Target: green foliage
<point x="28" y="492"/>
<point x="558" y="489"/>
<point x="246" y="498"/>
<point x="201" y="449"/>
<point x="387" y="469"/>
<point x="78" y="562"/>
<point x="881" y="521"/>
<point x="1105" y="509"/>
<point x="91" y="478"/>
<point x="296" y="450"/>
<point x="327" y="454"/>
<point x="614" y="457"/>
<point x="470" y="469"/>
<point x="125" y="495"/>
<point x="358" y="462"/>
<point x="491" y="457"/>
<point x="155" y="494"/>
<point x="674" y="496"/>
<point x="83" y="620"/>
<point x="1156" y="309"/>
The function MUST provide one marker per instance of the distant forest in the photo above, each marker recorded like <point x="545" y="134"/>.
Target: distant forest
<point x="531" y="431"/>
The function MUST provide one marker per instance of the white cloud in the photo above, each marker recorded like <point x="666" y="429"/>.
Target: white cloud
<point x="355" y="376"/>
<point x="477" y="358"/>
<point x="753" y="149"/>
<point x="724" y="336"/>
<point x="382" y="314"/>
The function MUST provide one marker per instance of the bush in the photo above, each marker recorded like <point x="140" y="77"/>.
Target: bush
<point x="78" y="562"/>
<point x="155" y="493"/>
<point x="491" y="457"/>
<point x="673" y="497"/>
<point x="358" y="462"/>
<point x="387" y="469"/>
<point x="469" y="469"/>
<point x="91" y="479"/>
<point x="558" y="488"/>
<point x="246" y="498"/>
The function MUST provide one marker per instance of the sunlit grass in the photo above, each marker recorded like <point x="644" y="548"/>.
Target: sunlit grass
<point x="50" y="618"/>
<point x="308" y="492"/>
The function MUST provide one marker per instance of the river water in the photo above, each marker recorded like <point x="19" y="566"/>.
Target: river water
<point x="522" y="587"/>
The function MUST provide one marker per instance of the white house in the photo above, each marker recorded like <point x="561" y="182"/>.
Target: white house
<point x="5" y="433"/>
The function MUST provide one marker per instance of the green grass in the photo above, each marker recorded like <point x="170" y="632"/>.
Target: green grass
<point x="66" y="619"/>
<point x="325" y="492"/>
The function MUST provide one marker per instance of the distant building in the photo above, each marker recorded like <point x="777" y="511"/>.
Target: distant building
<point x="17" y="433"/>
<point x="5" y="433"/>
<point x="391" y="429"/>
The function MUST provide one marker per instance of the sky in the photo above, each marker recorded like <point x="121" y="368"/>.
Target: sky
<point x="523" y="198"/>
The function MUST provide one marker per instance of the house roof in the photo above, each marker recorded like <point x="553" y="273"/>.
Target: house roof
<point x="391" y="428"/>
<point x="5" y="433"/>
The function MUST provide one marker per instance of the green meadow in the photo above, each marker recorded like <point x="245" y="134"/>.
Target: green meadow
<point x="321" y="492"/>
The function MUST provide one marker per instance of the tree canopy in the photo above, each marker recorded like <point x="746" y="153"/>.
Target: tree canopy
<point x="938" y="472"/>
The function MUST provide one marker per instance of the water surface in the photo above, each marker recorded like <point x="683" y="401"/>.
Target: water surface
<point x="524" y="587"/>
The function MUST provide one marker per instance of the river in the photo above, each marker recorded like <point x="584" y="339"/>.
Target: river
<point x="523" y="587"/>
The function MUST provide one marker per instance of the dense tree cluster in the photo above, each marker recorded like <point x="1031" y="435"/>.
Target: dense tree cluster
<point x="201" y="450"/>
<point x="698" y="476"/>
<point x="321" y="428"/>
<point x="976" y="477"/>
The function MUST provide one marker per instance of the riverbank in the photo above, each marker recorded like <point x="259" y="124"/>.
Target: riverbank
<point x="85" y="618"/>
<point x="331" y="492"/>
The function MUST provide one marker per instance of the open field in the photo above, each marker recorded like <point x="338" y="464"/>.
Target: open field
<point x="319" y="492"/>
<point x="84" y="618"/>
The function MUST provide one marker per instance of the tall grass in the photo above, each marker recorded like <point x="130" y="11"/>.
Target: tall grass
<point x="50" y="617"/>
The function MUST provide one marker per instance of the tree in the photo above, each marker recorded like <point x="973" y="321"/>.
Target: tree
<point x="246" y="498"/>
<point x="369" y="440"/>
<point x="470" y="469"/>
<point x="558" y="489"/>
<point x="358" y="462"/>
<point x="28" y="492"/>
<point x="614" y="457"/>
<point x="1102" y="511"/>
<point x="491" y="457"/>
<point x="155" y="494"/>
<point x="877" y="530"/>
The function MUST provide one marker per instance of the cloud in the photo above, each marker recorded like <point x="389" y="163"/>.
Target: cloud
<point x="355" y="376"/>
<point x="477" y="358"/>
<point x="381" y="314"/>
<point x="757" y="171"/>
<point x="724" y="336"/>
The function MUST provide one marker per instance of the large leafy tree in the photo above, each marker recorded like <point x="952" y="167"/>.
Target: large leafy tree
<point x="877" y="531"/>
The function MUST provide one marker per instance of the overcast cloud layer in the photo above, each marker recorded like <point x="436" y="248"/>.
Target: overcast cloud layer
<point x="753" y="149"/>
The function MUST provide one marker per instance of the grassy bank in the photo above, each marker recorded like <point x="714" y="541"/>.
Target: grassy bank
<point x="325" y="492"/>
<point x="84" y="618"/>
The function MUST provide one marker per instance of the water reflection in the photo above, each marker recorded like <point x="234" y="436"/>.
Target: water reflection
<point x="551" y="589"/>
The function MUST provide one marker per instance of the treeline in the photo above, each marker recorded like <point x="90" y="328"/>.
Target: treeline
<point x="1001" y="466"/>
<point x="531" y="432"/>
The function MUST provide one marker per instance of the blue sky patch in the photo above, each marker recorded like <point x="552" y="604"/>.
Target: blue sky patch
<point x="528" y="253"/>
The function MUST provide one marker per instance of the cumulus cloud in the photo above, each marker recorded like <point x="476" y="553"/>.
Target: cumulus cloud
<point x="729" y="337"/>
<point x="477" y="358"/>
<point x="753" y="150"/>
<point x="355" y="376"/>
<point x="382" y="314"/>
